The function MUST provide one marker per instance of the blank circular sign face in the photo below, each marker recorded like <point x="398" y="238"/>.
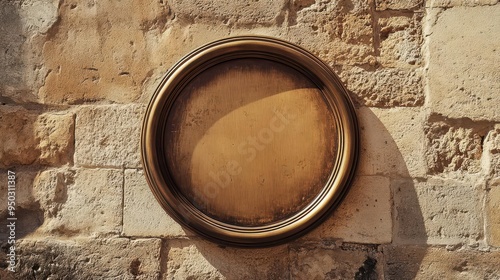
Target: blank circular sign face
<point x="249" y="141"/>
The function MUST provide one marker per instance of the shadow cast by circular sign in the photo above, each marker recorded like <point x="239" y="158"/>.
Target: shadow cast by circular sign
<point x="378" y="230"/>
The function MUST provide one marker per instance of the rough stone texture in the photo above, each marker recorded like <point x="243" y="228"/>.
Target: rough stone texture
<point x="193" y="259"/>
<point x="491" y="155"/>
<point x="452" y="148"/>
<point x="108" y="136"/>
<point x="56" y="134"/>
<point x="437" y="212"/>
<point x="117" y="258"/>
<point x="18" y="142"/>
<point x="363" y="217"/>
<point x="28" y="137"/>
<point x="113" y="57"/>
<point x="75" y="76"/>
<point x="339" y="32"/>
<point x="50" y="189"/>
<point x="415" y="262"/>
<point x="342" y="32"/>
<point x="387" y="87"/>
<point x="24" y="181"/>
<point x="455" y="3"/>
<point x="142" y="214"/>
<point x="11" y="46"/>
<point x="230" y="12"/>
<point x="391" y="142"/>
<point x="24" y="24"/>
<point x="38" y="16"/>
<point x="28" y="212"/>
<point x="81" y="201"/>
<point x="473" y="81"/>
<point x="492" y="214"/>
<point x="332" y="261"/>
<point x="403" y="262"/>
<point x="400" y="40"/>
<point x="175" y="41"/>
<point x="398" y="4"/>
<point x="409" y="224"/>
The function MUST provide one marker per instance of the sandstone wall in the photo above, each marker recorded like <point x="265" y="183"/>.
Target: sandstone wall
<point x="76" y="76"/>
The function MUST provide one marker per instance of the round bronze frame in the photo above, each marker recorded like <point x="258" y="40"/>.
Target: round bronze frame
<point x="178" y="206"/>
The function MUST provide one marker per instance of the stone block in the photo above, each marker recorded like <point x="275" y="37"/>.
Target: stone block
<point x="456" y="3"/>
<point x="230" y="13"/>
<point x="195" y="259"/>
<point x="403" y="262"/>
<point x="341" y="35"/>
<point x="363" y="217"/>
<point x="50" y="189"/>
<point x="391" y="142"/>
<point x="330" y="261"/>
<point x="108" y="136"/>
<point x="167" y="47"/>
<point x="382" y="5"/>
<point x="18" y="144"/>
<point x="400" y="40"/>
<point x="309" y="9"/>
<point x="81" y="201"/>
<point x="113" y="58"/>
<point x="451" y="147"/>
<point x="23" y="24"/>
<point x="468" y="86"/>
<point x="26" y="210"/>
<point x="301" y="4"/>
<point x="83" y="258"/>
<point x="387" y="87"/>
<point x="142" y="213"/>
<point x="11" y="51"/>
<point x="438" y="211"/>
<point x="492" y="214"/>
<point x="28" y="137"/>
<point x="491" y="155"/>
<point x="56" y="134"/>
<point x="338" y="32"/>
<point x="409" y="224"/>
<point x="23" y="188"/>
<point x="416" y="262"/>
<point x="38" y="15"/>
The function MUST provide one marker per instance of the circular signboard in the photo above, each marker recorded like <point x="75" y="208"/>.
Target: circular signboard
<point x="249" y="141"/>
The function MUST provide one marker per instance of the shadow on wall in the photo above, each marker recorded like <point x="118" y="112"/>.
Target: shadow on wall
<point x="11" y="55"/>
<point x="382" y="154"/>
<point x="12" y="82"/>
<point x="28" y="213"/>
<point x="345" y="246"/>
<point x="11" y="65"/>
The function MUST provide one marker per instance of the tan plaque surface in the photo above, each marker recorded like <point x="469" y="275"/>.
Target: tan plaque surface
<point x="246" y="145"/>
<point x="250" y="142"/>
